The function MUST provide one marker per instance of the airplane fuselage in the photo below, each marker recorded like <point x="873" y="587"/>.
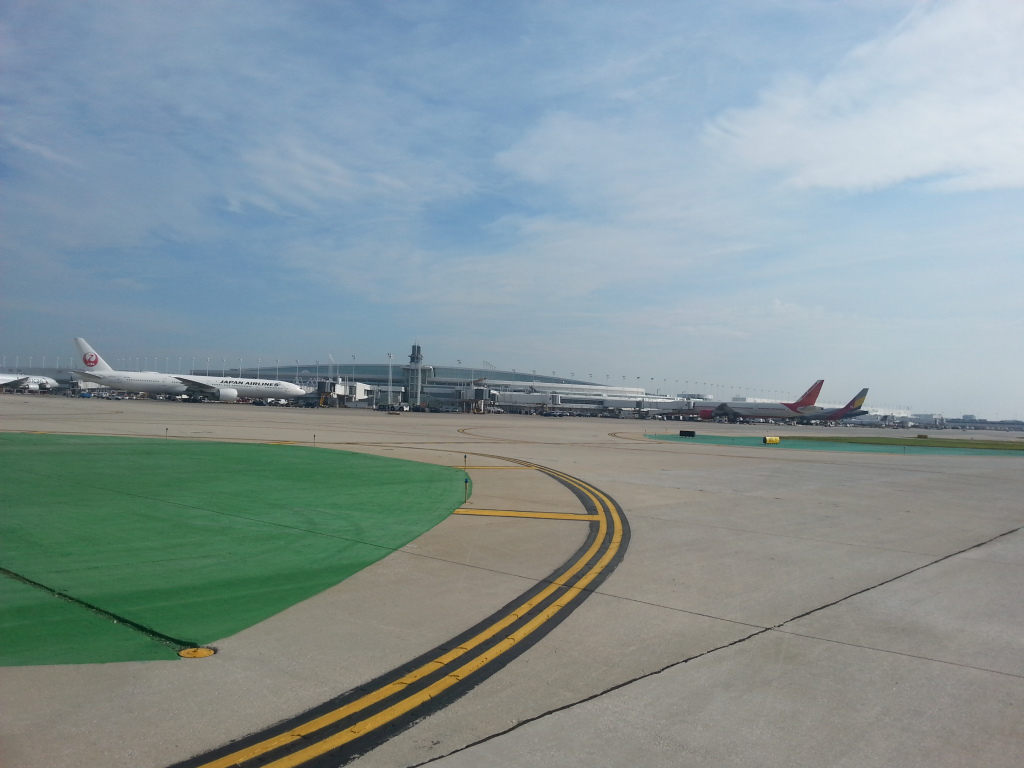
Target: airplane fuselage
<point x="167" y="384"/>
<point x="768" y="410"/>
<point x="224" y="388"/>
<point x="33" y="383"/>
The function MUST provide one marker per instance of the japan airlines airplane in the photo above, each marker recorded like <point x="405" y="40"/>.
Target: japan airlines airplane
<point x="31" y="383"/>
<point x="849" y="411"/>
<point x="225" y="388"/>
<point x="804" y="407"/>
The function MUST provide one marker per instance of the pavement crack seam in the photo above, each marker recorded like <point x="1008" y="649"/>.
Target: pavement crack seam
<point x="899" y="576"/>
<point x="594" y="696"/>
<point x="728" y="645"/>
<point x="899" y="653"/>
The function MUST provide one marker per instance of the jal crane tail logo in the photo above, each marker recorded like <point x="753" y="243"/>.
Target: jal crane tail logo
<point x="90" y="359"/>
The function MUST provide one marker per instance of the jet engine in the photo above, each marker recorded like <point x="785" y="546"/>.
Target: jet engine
<point x="226" y="395"/>
<point x="32" y="387"/>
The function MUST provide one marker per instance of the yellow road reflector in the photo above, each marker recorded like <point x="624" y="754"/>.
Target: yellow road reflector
<point x="196" y="653"/>
<point x="535" y="515"/>
<point x="771" y="441"/>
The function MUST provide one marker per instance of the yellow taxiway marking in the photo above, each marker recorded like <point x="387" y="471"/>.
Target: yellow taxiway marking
<point x="539" y="515"/>
<point x="612" y="538"/>
<point x="458" y="466"/>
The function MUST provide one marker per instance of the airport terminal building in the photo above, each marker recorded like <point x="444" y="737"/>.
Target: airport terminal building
<point x="454" y="388"/>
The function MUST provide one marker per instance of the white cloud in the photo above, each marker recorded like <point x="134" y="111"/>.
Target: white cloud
<point x="44" y="152"/>
<point x="941" y="97"/>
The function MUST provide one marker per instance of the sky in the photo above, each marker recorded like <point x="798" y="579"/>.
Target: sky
<point x="736" y="197"/>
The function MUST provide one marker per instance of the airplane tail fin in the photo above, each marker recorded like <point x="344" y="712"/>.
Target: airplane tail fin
<point x="809" y="397"/>
<point x="90" y="359"/>
<point x="858" y="401"/>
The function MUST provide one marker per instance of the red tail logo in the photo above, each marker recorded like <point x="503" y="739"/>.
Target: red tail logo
<point x="90" y="359"/>
<point x="810" y="397"/>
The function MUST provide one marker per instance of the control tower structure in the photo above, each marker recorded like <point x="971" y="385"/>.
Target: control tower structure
<point x="416" y="375"/>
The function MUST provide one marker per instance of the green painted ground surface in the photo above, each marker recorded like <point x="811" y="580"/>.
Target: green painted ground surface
<point x="195" y="541"/>
<point x="918" y="442"/>
<point x="898" y="445"/>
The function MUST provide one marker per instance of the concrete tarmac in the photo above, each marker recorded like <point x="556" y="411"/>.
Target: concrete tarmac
<point x="774" y="608"/>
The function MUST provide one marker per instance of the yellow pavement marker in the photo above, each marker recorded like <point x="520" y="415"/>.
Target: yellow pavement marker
<point x="538" y="515"/>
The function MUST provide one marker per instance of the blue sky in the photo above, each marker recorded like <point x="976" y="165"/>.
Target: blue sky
<point x="749" y="195"/>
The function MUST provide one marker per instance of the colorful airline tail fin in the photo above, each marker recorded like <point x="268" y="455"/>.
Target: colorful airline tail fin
<point x="858" y="401"/>
<point x="90" y="359"/>
<point x="810" y="397"/>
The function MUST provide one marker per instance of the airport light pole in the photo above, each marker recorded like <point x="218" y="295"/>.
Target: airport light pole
<point x="389" y="381"/>
<point x="257" y="367"/>
<point x="277" y="369"/>
<point x="208" y="367"/>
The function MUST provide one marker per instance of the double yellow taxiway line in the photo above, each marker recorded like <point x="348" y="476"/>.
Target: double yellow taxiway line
<point x="359" y="720"/>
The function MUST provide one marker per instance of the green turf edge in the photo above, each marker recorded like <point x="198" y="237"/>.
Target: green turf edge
<point x="913" y="447"/>
<point x="40" y="628"/>
<point x="918" y="442"/>
<point x="207" y="605"/>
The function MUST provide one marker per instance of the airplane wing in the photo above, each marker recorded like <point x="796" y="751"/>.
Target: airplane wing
<point x="88" y="376"/>
<point x="854" y="414"/>
<point x="200" y="386"/>
<point x="15" y="383"/>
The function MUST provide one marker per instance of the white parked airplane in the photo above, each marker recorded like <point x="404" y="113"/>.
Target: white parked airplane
<point x="32" y="383"/>
<point x="225" y="388"/>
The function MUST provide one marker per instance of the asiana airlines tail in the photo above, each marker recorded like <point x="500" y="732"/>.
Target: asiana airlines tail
<point x="223" y="388"/>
